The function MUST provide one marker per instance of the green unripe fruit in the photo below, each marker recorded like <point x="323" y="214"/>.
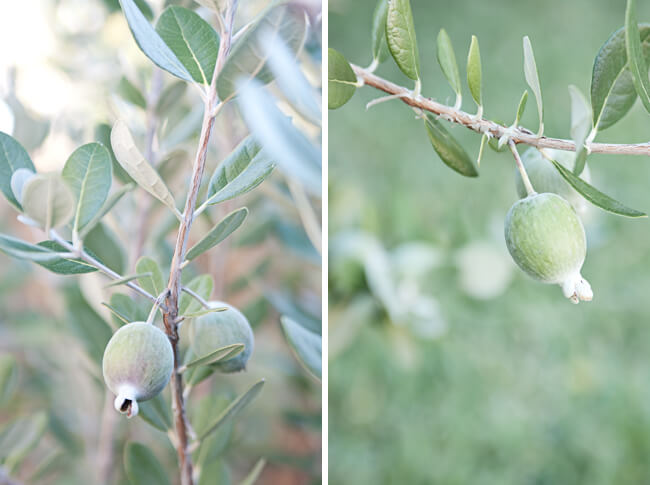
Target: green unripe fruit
<point x="545" y="178"/>
<point x="137" y="365"/>
<point x="219" y="329"/>
<point x="546" y="239"/>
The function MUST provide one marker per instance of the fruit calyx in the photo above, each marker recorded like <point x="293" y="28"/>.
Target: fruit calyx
<point x="577" y="289"/>
<point x="126" y="402"/>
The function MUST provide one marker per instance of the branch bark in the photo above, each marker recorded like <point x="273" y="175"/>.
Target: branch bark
<point x="170" y="316"/>
<point x="482" y="125"/>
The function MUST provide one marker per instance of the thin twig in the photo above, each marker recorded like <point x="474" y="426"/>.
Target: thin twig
<point x="171" y="314"/>
<point x="84" y="256"/>
<point x="522" y="170"/>
<point x="196" y="296"/>
<point x="482" y="125"/>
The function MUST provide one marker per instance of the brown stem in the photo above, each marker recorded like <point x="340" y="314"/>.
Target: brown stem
<point x="482" y="125"/>
<point x="170" y="316"/>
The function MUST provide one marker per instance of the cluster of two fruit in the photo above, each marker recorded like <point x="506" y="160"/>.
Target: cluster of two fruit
<point x="138" y="361"/>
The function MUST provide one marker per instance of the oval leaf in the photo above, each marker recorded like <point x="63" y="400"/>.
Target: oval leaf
<point x="341" y="80"/>
<point x="244" y="169"/>
<point x="532" y="78"/>
<point x="612" y="87"/>
<point x="400" y="37"/>
<point x="447" y="61"/>
<point x="636" y="61"/>
<point x="89" y="173"/>
<point x="379" y="46"/>
<point x="235" y="407"/>
<point x="448" y="149"/>
<point x="156" y="412"/>
<point x="218" y="233"/>
<point x="153" y="282"/>
<point x="474" y="74"/>
<point x="223" y="353"/>
<point x="142" y="467"/>
<point x="12" y="158"/>
<point x="255" y="473"/>
<point x="20" y="437"/>
<point x="248" y="57"/>
<point x="127" y="90"/>
<point x="194" y="42"/>
<point x="595" y="196"/>
<point x="106" y="208"/>
<point x="64" y="266"/>
<point x="150" y="42"/>
<point x="48" y="201"/>
<point x="306" y="345"/>
<point x="134" y="163"/>
<point x="201" y="285"/>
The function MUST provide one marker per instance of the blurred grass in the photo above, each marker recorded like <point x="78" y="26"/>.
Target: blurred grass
<point x="523" y="388"/>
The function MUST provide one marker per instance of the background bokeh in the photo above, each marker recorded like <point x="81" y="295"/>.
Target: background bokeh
<point x="448" y="365"/>
<point x="61" y="62"/>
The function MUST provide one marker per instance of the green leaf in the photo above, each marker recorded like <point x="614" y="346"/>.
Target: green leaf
<point x="218" y="233"/>
<point x="134" y="163"/>
<point x="521" y="108"/>
<point x="379" y="47"/>
<point x="156" y="412"/>
<point x="46" y="254"/>
<point x="341" y="80"/>
<point x="127" y="90"/>
<point x="245" y="168"/>
<point x="64" y="266"/>
<point x="400" y="37"/>
<point x="235" y="407"/>
<point x="103" y="242"/>
<point x="8" y="377"/>
<point x="595" y="196"/>
<point x="580" y="126"/>
<point x="142" y="467"/>
<point x="448" y="149"/>
<point x="191" y="39"/>
<point x="127" y="279"/>
<point x="636" y="61"/>
<point x="89" y="174"/>
<point x="612" y="87"/>
<point x="106" y="208"/>
<point x="248" y="57"/>
<point x="474" y="74"/>
<point x="255" y="473"/>
<point x="19" y="438"/>
<point x="85" y="324"/>
<point x="215" y="472"/>
<point x="47" y="200"/>
<point x="126" y="309"/>
<point x="532" y="78"/>
<point x="306" y="345"/>
<point x="154" y="283"/>
<point x="205" y="311"/>
<point x="223" y="353"/>
<point x="12" y="157"/>
<point x="448" y="64"/>
<point x="296" y="155"/>
<point x="201" y="285"/>
<point x="170" y="97"/>
<point x="150" y="42"/>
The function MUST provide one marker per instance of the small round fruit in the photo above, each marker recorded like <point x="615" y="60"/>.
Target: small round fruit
<point x="219" y="329"/>
<point x="137" y="365"/>
<point x="546" y="239"/>
<point x="545" y="178"/>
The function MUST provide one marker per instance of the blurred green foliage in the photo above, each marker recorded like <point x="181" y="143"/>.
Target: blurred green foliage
<point x="522" y="387"/>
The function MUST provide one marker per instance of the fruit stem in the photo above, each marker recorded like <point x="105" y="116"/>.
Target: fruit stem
<point x="522" y="170"/>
